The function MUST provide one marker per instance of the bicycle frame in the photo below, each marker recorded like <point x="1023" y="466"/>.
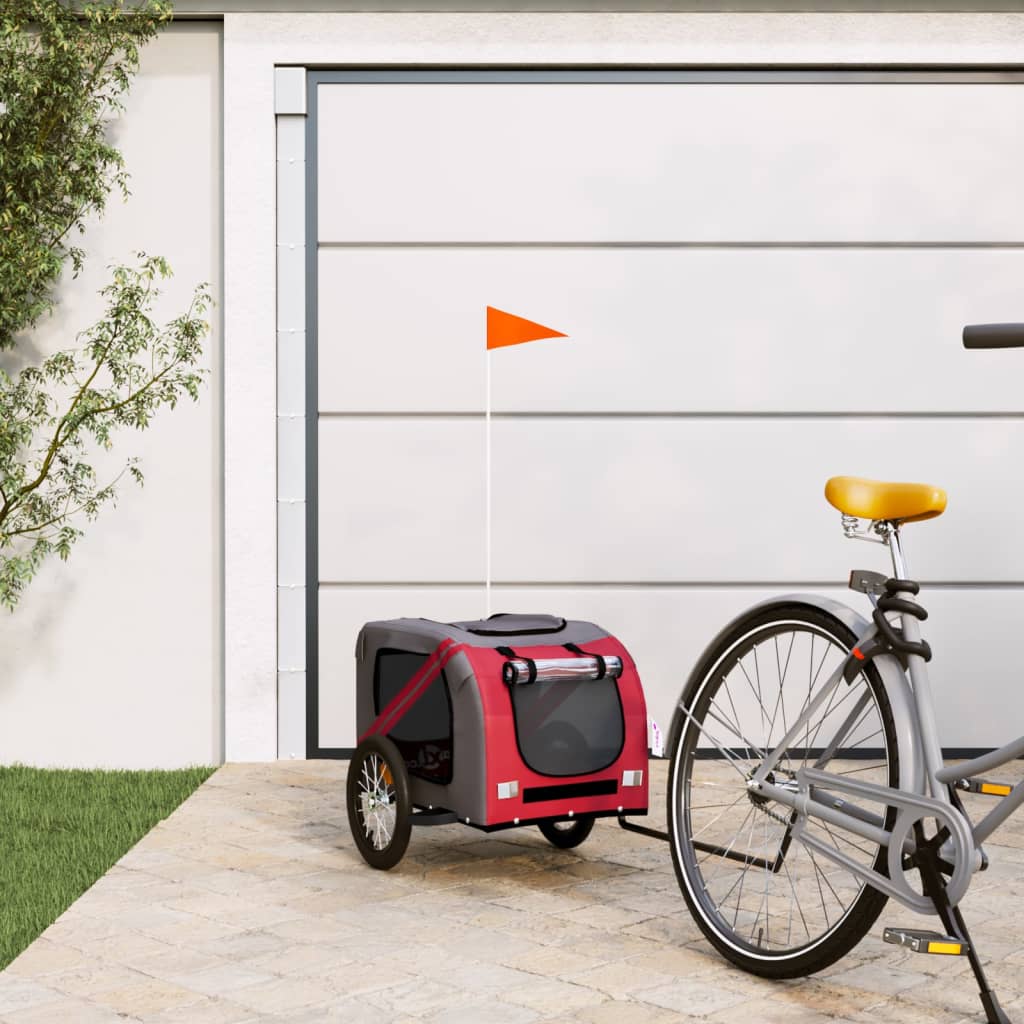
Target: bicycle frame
<point x="930" y="781"/>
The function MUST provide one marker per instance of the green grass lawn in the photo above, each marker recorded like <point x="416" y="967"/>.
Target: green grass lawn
<point x="61" y="830"/>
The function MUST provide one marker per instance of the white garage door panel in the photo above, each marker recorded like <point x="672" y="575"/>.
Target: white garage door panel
<point x="401" y="500"/>
<point x="666" y="629"/>
<point x="743" y="162"/>
<point x="738" y="500"/>
<point x="587" y="500"/>
<point x="741" y="500"/>
<point x="669" y="330"/>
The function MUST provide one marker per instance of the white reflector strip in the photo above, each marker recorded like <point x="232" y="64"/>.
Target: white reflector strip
<point x="632" y="778"/>
<point x="508" y="790"/>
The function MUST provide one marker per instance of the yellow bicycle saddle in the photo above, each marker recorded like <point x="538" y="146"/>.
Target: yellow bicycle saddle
<point x="872" y="499"/>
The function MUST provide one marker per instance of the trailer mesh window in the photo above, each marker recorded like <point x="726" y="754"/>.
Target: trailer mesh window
<point x="568" y="727"/>
<point x="424" y="733"/>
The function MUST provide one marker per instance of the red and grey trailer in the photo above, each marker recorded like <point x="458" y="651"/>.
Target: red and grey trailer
<point x="507" y="721"/>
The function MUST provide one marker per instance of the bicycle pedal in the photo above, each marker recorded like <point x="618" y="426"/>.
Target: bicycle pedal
<point x="985" y="787"/>
<point x="919" y="941"/>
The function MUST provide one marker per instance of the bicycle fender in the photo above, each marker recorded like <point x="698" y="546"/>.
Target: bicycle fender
<point x="897" y="686"/>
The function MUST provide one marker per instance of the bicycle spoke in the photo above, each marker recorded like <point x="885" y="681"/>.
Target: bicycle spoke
<point x="733" y="762"/>
<point x="705" y="827"/>
<point x="756" y="692"/>
<point x="748" y="746"/>
<point x="741" y="725"/>
<point x="796" y="901"/>
<point x="743" y="874"/>
<point x="707" y="884"/>
<point x="866" y="768"/>
<point x="828" y="711"/>
<point x="824" y="878"/>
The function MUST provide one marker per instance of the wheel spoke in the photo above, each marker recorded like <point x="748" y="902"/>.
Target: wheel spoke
<point x="748" y="746"/>
<point x="732" y="761"/>
<point x="728" y="807"/>
<point x="810" y="903"/>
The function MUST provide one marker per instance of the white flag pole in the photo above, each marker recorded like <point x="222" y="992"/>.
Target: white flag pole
<point x="487" y="474"/>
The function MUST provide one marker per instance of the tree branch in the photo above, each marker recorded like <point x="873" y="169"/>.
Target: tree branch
<point x="68" y="512"/>
<point x="57" y="440"/>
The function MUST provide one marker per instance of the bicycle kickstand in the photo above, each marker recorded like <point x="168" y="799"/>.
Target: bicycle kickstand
<point x="953" y="922"/>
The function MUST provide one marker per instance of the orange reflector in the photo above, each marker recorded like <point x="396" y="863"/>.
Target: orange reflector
<point x="945" y="948"/>
<point x="995" y="789"/>
<point x="858" y="654"/>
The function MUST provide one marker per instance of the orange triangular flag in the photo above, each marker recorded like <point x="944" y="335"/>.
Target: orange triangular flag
<point x="506" y="329"/>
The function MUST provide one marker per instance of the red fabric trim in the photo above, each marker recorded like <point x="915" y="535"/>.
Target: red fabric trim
<point x="503" y="763"/>
<point x="390" y="716"/>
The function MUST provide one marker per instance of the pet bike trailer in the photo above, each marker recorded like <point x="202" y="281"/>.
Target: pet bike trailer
<point x="511" y="720"/>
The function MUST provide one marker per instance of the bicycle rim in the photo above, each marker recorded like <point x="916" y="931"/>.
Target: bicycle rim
<point x="764" y="898"/>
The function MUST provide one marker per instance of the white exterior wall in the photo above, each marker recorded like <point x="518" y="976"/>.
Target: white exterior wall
<point x="115" y="658"/>
<point x="255" y="44"/>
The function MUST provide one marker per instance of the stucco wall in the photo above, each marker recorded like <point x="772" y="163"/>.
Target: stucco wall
<point x="115" y="658"/>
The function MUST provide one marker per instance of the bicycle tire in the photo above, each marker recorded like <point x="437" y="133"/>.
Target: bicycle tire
<point x="752" y="947"/>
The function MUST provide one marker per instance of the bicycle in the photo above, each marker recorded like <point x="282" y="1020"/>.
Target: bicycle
<point x="807" y="785"/>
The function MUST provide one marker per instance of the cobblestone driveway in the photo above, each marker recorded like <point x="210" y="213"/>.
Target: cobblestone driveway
<point x="250" y="904"/>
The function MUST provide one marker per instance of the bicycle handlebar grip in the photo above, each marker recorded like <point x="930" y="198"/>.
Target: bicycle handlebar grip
<point x="994" y="336"/>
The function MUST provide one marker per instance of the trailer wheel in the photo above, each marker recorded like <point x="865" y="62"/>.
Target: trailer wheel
<point x="379" y="811"/>
<point x="568" y="832"/>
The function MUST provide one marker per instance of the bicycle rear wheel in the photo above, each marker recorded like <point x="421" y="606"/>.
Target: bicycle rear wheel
<point x="766" y="901"/>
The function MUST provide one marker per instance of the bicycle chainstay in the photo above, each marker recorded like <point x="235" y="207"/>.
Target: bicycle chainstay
<point x="910" y="809"/>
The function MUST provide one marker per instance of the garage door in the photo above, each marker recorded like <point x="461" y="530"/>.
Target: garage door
<point x="762" y="279"/>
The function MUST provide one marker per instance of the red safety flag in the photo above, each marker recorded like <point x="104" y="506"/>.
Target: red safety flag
<point x="505" y="329"/>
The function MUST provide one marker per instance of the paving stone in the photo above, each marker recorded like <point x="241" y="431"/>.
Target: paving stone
<point x="350" y="1012"/>
<point x="481" y="977"/>
<point x="280" y="994"/>
<point x="145" y="997"/>
<point x="69" y="1011"/>
<point x="250" y="905"/>
<point x="615" y="1012"/>
<point x="771" y="1011"/>
<point x="301" y="961"/>
<point x="78" y="930"/>
<point x="492" y="1012"/>
<point x="880" y="978"/>
<point x="309" y="929"/>
<point x="418" y="998"/>
<point x="620" y="980"/>
<point x="554" y="962"/>
<point x="176" y="960"/>
<point x="678" y="962"/>
<point x="242" y="945"/>
<point x="206" y="1011"/>
<point x="44" y="957"/>
<point x="216" y="981"/>
<point x="23" y="993"/>
<point x="693" y="997"/>
<point x="552" y="998"/>
<point x="827" y="997"/>
<point x="86" y="980"/>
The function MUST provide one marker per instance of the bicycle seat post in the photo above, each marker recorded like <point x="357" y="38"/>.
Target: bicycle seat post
<point x="899" y="562"/>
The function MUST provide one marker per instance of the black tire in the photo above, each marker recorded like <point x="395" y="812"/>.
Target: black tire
<point x="379" y="809"/>
<point x="567" y="833"/>
<point x="764" y="643"/>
